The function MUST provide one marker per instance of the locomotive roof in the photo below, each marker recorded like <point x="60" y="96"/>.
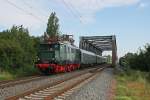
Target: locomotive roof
<point x="68" y="44"/>
<point x="64" y="43"/>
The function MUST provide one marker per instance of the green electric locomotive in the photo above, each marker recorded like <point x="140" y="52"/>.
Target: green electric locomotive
<point x="58" y="57"/>
<point x="64" y="57"/>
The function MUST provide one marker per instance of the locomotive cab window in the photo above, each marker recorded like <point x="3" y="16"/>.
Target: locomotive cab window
<point x="48" y="52"/>
<point x="49" y="47"/>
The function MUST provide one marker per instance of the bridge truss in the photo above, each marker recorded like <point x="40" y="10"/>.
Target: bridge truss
<point x="98" y="44"/>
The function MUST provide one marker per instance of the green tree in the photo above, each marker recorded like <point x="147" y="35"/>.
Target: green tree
<point x="52" y="25"/>
<point x="138" y="61"/>
<point x="18" y="50"/>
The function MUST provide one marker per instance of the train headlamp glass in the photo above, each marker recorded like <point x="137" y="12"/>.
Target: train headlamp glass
<point x="53" y="59"/>
<point x="50" y="49"/>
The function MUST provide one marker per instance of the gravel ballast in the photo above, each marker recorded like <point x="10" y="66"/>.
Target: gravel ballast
<point x="97" y="89"/>
<point x="21" y="88"/>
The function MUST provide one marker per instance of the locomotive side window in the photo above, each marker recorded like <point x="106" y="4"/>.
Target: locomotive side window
<point x="56" y="46"/>
<point x="65" y="49"/>
<point x="68" y="49"/>
<point x="49" y="47"/>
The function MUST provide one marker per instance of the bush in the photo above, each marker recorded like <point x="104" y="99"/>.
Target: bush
<point x="148" y="77"/>
<point x="6" y="75"/>
<point x="18" y="51"/>
<point x="26" y="71"/>
<point x="137" y="61"/>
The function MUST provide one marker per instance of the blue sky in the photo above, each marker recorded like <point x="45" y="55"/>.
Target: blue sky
<point x="129" y="20"/>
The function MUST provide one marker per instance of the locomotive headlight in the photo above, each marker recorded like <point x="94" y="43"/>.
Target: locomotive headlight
<point x="38" y="58"/>
<point x="51" y="49"/>
<point x="53" y="59"/>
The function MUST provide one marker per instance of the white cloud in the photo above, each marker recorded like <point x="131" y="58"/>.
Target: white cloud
<point x="9" y="14"/>
<point x="142" y="5"/>
<point x="94" y="5"/>
<point x="88" y="8"/>
<point x="16" y="13"/>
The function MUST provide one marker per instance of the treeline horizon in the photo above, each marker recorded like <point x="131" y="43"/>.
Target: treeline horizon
<point x="18" y="50"/>
<point x="137" y="61"/>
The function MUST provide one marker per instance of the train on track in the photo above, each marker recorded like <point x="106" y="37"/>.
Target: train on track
<point x="59" y="57"/>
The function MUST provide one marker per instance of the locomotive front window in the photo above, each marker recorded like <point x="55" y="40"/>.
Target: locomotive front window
<point x="43" y="47"/>
<point x="49" y="47"/>
<point x="48" y="52"/>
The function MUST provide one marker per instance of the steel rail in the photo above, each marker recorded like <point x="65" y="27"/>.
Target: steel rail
<point x="55" y="84"/>
<point x="8" y="83"/>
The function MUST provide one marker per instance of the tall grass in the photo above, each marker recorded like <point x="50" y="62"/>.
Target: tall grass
<point x="6" y="76"/>
<point x="17" y="73"/>
<point x="132" y="85"/>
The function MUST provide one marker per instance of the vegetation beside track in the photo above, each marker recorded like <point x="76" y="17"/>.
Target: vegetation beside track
<point x="133" y="81"/>
<point x="137" y="61"/>
<point x="18" y="52"/>
<point x="6" y="76"/>
<point x="132" y="85"/>
<point x="17" y="73"/>
<point x="18" y="49"/>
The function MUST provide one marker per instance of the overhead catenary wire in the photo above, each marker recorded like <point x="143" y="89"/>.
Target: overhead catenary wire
<point x="33" y="7"/>
<point x="98" y="3"/>
<point x="78" y="13"/>
<point x="71" y="10"/>
<point x="25" y="11"/>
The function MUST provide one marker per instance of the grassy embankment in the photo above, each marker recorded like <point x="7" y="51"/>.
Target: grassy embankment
<point x="18" y="73"/>
<point x="6" y="76"/>
<point x="133" y="85"/>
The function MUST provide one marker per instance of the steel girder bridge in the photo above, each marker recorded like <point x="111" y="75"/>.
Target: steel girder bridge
<point x="98" y="44"/>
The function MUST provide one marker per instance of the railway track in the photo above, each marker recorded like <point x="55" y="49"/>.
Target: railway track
<point x="8" y="83"/>
<point x="21" y="87"/>
<point x="60" y="89"/>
